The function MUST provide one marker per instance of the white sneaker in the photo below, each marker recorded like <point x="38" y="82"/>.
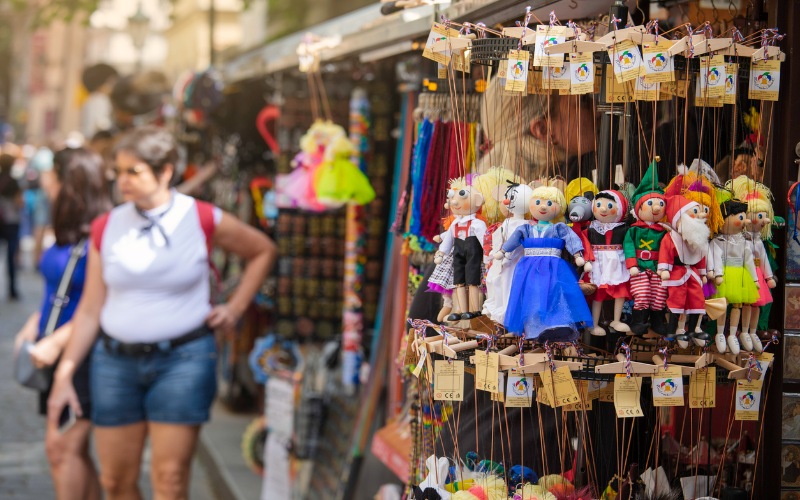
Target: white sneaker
<point x="757" y="346"/>
<point x="733" y="344"/>
<point x="722" y="346"/>
<point x="745" y="341"/>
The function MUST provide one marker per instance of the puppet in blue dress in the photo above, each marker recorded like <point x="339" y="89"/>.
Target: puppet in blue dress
<point x="546" y="302"/>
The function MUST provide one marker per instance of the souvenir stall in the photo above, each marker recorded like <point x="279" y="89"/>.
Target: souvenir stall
<point x="595" y="221"/>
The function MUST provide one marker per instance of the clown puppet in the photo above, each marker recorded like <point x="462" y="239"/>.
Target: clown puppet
<point x="760" y="214"/>
<point x="465" y="239"/>
<point x="515" y="201"/>
<point x="606" y="235"/>
<point x="682" y="267"/>
<point x="734" y="274"/>
<point x="641" y="247"/>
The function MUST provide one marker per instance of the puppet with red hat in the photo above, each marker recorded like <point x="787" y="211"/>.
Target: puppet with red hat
<point x="682" y="266"/>
<point x="606" y="235"/>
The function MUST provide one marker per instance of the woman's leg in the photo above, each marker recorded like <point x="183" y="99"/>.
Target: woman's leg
<point x="72" y="468"/>
<point x="172" y="449"/>
<point x="120" y="452"/>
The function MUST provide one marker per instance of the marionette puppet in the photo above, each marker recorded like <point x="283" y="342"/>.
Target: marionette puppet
<point x="682" y="267"/>
<point x="545" y="302"/>
<point x="734" y="274"/>
<point x="760" y="214"/>
<point x="441" y="280"/>
<point x="606" y="235"/>
<point x="465" y="239"/>
<point x="516" y="201"/>
<point x="641" y="246"/>
<point x="491" y="185"/>
<point x="580" y="194"/>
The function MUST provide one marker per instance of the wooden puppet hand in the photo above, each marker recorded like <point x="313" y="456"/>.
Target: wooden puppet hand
<point x="634" y="271"/>
<point x="437" y="239"/>
<point x="710" y="275"/>
<point x="718" y="280"/>
<point x="579" y="260"/>
<point x="771" y="282"/>
<point x="498" y="255"/>
<point x="438" y="258"/>
<point x="587" y="267"/>
<point x="664" y="275"/>
<point x="705" y="280"/>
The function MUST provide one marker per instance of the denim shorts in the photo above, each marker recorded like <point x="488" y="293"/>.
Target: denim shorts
<point x="176" y="386"/>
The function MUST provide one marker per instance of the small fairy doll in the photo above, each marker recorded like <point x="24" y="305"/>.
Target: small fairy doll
<point x="734" y="273"/>
<point x="606" y="234"/>
<point x="464" y="238"/>
<point x="760" y="214"/>
<point x="498" y="280"/>
<point x="545" y="302"/>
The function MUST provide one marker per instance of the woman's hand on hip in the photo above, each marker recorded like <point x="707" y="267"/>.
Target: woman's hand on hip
<point x="222" y="317"/>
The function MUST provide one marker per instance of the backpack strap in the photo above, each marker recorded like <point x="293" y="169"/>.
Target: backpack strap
<point x="97" y="229"/>
<point x="205" y="212"/>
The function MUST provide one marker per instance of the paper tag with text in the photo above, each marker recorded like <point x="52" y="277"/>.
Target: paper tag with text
<point x="560" y="386"/>
<point x="519" y="392"/>
<point x="438" y="32"/>
<point x="423" y="354"/>
<point x="595" y="387"/>
<point x="627" y="392"/>
<point x="535" y="83"/>
<point x="703" y="388"/>
<point x="501" y="382"/>
<point x="668" y="386"/>
<point x="448" y="380"/>
<point x="581" y="73"/>
<point x="731" y="82"/>
<point x="626" y="59"/>
<point x="645" y="91"/>
<point x="748" y="399"/>
<point x="541" y="395"/>
<point x="461" y="60"/>
<point x="703" y="101"/>
<point x="517" y="71"/>
<point x="658" y="63"/>
<point x="486" y="371"/>
<point x="618" y="92"/>
<point x="555" y="77"/>
<point x="583" y="392"/>
<point x="545" y="37"/>
<point x="607" y="393"/>
<point x="712" y="76"/>
<point x="763" y="362"/>
<point x="765" y="80"/>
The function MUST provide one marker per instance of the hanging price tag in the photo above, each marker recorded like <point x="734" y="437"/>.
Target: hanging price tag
<point x="585" y="402"/>
<point x="703" y="388"/>
<point x="704" y="101"/>
<point x="486" y="371"/>
<point x="461" y="60"/>
<point x="441" y="71"/>
<point x="501" y="383"/>
<point x="668" y="387"/>
<point x="627" y="392"/>
<point x="519" y="392"/>
<point x="595" y="386"/>
<point x="448" y="380"/>
<point x="712" y="76"/>
<point x="658" y="64"/>
<point x="731" y="82"/>
<point x="546" y="36"/>
<point x="560" y="387"/>
<point x="423" y="355"/>
<point x="618" y="92"/>
<point x="438" y="33"/>
<point x="555" y="77"/>
<point x="607" y="393"/>
<point x="765" y="80"/>
<point x="410" y="358"/>
<point x="581" y="73"/>
<point x="541" y="395"/>
<point x="626" y="59"/>
<point x="748" y="399"/>
<point x="645" y="91"/>
<point x="535" y="83"/>
<point x="517" y="71"/>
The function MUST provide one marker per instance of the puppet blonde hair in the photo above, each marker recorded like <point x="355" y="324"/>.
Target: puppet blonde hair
<point x="486" y="184"/>
<point x="758" y="198"/>
<point x="698" y="188"/>
<point x="554" y="194"/>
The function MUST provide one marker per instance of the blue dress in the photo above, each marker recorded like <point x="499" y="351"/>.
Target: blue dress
<point x="546" y="302"/>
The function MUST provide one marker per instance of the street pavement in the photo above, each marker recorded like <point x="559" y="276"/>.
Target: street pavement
<point x="23" y="465"/>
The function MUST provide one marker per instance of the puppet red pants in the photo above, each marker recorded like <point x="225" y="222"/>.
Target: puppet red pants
<point x="648" y="291"/>
<point x="686" y="297"/>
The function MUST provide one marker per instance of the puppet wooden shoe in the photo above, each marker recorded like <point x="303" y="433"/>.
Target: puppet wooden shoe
<point x="639" y="325"/>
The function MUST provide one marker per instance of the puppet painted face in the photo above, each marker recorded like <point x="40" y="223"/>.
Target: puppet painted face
<point x="606" y="210"/>
<point x="544" y="210"/>
<point x="517" y="200"/>
<point x="580" y="208"/>
<point x="735" y="223"/>
<point x="757" y="221"/>
<point x="652" y="210"/>
<point x="464" y="200"/>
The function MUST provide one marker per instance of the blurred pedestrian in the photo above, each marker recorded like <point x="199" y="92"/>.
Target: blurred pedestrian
<point x="78" y="196"/>
<point x="11" y="204"/>
<point x="42" y="187"/>
<point x="147" y="318"/>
